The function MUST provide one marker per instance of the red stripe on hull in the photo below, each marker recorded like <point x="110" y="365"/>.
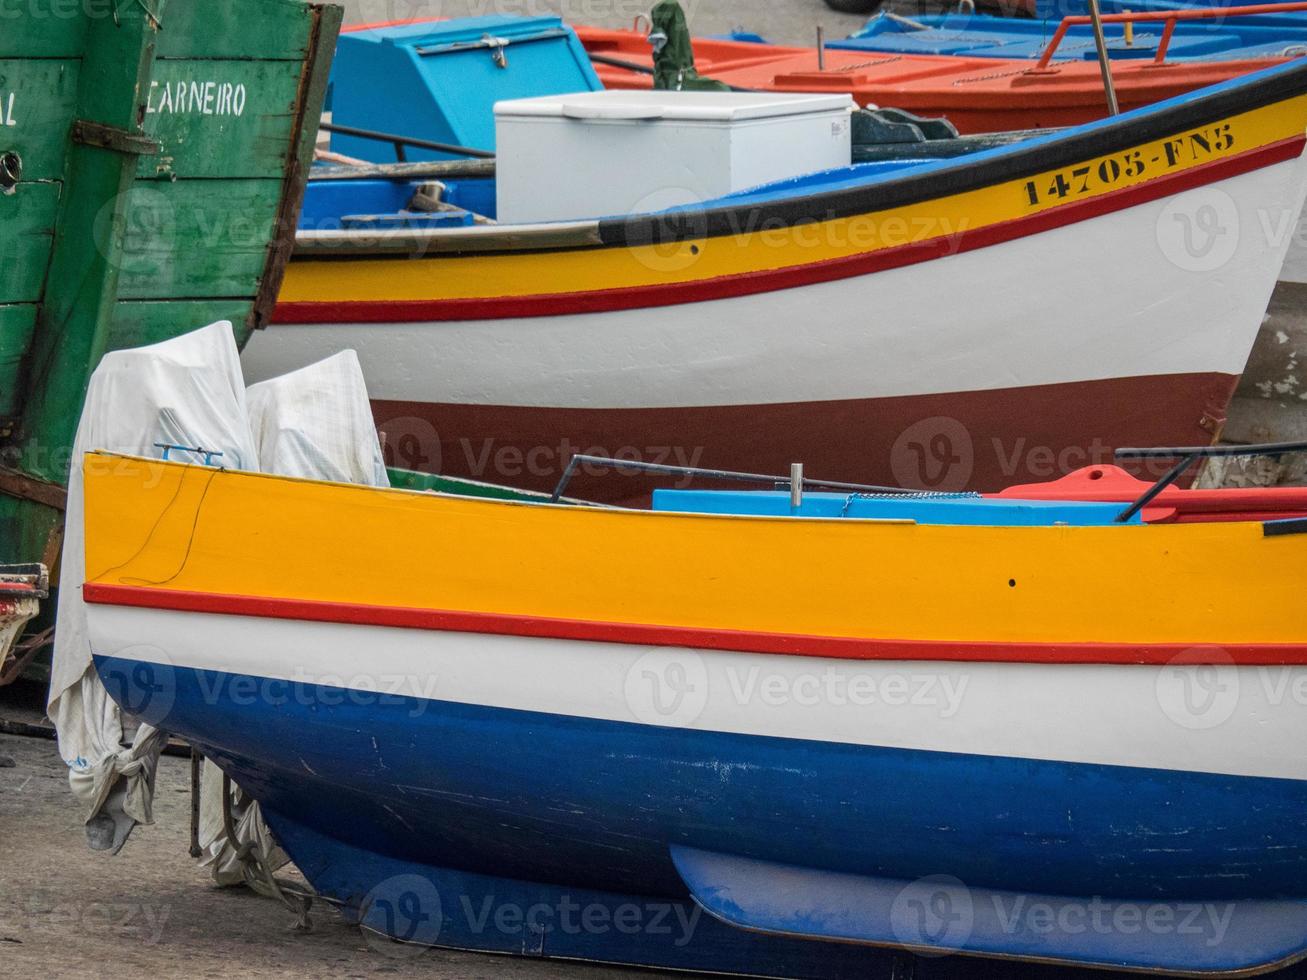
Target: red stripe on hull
<point x="842" y="648"/>
<point x="674" y="293"/>
<point x="977" y="440"/>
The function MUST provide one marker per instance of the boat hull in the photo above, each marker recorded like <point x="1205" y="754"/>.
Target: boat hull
<point x="366" y="783"/>
<point x="676" y="704"/>
<point x="906" y="375"/>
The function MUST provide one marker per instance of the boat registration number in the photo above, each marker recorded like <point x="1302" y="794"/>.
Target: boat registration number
<point x="1169" y="154"/>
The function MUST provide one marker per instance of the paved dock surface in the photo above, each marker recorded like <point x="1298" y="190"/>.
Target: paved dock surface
<point x="779" y="21"/>
<point x="152" y="911"/>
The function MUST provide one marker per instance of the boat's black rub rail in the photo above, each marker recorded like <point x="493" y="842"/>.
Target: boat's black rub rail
<point x="961" y="176"/>
<point x="964" y="176"/>
<point x="1293" y="525"/>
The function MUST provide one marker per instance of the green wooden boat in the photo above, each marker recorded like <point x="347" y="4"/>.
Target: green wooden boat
<point x="152" y="162"/>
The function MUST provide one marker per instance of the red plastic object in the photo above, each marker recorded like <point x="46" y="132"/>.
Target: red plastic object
<point x="1113" y="484"/>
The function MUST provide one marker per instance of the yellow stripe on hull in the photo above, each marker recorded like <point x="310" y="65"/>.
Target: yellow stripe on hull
<point x="766" y="248"/>
<point x="158" y="525"/>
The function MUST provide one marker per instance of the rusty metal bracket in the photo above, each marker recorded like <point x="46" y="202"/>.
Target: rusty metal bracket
<point x="112" y="138"/>
<point x="24" y="487"/>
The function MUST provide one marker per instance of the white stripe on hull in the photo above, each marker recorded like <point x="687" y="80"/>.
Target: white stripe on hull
<point x="1245" y="721"/>
<point x="1096" y="300"/>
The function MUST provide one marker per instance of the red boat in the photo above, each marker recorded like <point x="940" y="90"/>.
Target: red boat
<point x="978" y="95"/>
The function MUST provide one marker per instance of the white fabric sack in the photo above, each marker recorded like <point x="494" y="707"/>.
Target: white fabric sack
<point x="185" y="391"/>
<point x="317" y="423"/>
<point x="314" y="423"/>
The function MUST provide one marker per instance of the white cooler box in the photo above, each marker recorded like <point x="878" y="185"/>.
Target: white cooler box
<point x="593" y="154"/>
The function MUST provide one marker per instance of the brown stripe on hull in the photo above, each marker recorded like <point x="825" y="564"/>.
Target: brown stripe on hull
<point x="979" y="440"/>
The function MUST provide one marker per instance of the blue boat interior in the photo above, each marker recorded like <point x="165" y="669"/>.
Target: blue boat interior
<point x="922" y="508"/>
<point x="381" y="203"/>
<point x="986" y="36"/>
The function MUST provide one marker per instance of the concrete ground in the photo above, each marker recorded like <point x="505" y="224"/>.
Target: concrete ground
<point x="152" y="911"/>
<point x="781" y="21"/>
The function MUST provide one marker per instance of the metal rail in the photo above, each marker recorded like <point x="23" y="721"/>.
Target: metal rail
<point x="796" y="477"/>
<point x="1188" y="456"/>
<point x="400" y="142"/>
<point x="1168" y="17"/>
<point x="1105" y="59"/>
<point x="414" y="170"/>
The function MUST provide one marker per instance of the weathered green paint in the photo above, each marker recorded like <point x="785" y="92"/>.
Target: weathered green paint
<point x="197" y="238"/>
<point x="17" y="322"/>
<point x="434" y="482"/>
<point x="312" y="97"/>
<point x="221" y="118"/>
<point x="37" y="101"/>
<point x="48" y="28"/>
<point x="140" y="322"/>
<point x="277" y="29"/>
<point x="27" y="217"/>
<point x="133" y="249"/>
<point x="73" y="330"/>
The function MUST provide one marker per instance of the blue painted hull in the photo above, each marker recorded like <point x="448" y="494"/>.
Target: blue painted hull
<point x="361" y="789"/>
<point x="984" y="36"/>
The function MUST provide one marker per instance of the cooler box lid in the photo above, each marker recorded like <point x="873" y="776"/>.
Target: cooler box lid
<point x="673" y="106"/>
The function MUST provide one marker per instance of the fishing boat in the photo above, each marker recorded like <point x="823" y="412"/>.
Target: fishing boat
<point x="985" y="72"/>
<point x="629" y="736"/>
<point x="769" y="324"/>
<point x="976" y="94"/>
<point x="1210" y="34"/>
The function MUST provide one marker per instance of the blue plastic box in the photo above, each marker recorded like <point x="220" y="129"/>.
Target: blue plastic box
<point x="440" y="79"/>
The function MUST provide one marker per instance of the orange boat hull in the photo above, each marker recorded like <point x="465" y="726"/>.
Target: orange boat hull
<point x="978" y="95"/>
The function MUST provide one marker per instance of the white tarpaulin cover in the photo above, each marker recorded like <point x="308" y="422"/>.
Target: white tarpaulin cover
<point x="188" y="391"/>
<point x="317" y="423"/>
<point x="314" y="423"/>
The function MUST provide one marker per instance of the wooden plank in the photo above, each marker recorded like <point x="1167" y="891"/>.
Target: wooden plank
<point x="139" y="322"/>
<point x="28" y="217"/>
<point x="73" y="326"/>
<point x="193" y="239"/>
<point x="47" y="28"/>
<point x="262" y="29"/>
<point x="313" y="88"/>
<point x="37" y="101"/>
<point x="221" y="118"/>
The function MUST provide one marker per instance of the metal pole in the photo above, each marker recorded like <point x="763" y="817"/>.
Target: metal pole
<point x="796" y="486"/>
<point x="821" y="49"/>
<point x="1104" y="62"/>
<point x="196" y="761"/>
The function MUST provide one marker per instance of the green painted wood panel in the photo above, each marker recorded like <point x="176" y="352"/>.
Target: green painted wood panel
<point x="403" y="479"/>
<point x="27" y="217"/>
<point x="197" y="238"/>
<point x="221" y="118"/>
<point x="260" y="29"/>
<point x="73" y="325"/>
<point x="16" y="326"/>
<point x="48" y="28"/>
<point x="139" y="322"/>
<point x="38" y="98"/>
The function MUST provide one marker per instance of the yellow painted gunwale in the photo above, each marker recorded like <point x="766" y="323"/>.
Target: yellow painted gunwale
<point x="752" y="249"/>
<point x="170" y="526"/>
